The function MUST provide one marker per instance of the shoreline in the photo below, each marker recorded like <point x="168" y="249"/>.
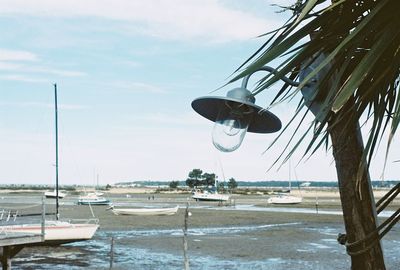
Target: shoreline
<point x="322" y="200"/>
<point x="308" y="191"/>
<point x="310" y="195"/>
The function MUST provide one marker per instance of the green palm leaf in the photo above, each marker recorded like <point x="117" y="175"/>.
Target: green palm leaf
<point x="361" y="41"/>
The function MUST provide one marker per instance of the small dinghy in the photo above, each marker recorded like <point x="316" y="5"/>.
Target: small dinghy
<point x="145" y="211"/>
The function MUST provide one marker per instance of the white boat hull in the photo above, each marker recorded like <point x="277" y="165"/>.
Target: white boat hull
<point x="146" y="211"/>
<point x="56" y="232"/>
<point x="285" y="199"/>
<point x="93" y="200"/>
<point x="210" y="197"/>
<point x="53" y="194"/>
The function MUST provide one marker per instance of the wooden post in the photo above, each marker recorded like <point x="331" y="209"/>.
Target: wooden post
<point x="185" y="242"/>
<point x="112" y="253"/>
<point x="43" y="217"/>
<point x="6" y="258"/>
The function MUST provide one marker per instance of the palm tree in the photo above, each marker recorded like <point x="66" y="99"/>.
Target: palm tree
<point x="346" y="54"/>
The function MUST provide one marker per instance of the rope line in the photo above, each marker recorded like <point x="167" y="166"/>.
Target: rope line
<point x="370" y="240"/>
<point x="373" y="236"/>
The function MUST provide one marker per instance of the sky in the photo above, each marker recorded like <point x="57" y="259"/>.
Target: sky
<point x="126" y="73"/>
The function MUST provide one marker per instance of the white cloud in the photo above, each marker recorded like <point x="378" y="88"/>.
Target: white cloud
<point x="23" y="78"/>
<point x="38" y="69"/>
<point x="20" y="61"/>
<point x="9" y="66"/>
<point x="208" y="20"/>
<point x="14" y="55"/>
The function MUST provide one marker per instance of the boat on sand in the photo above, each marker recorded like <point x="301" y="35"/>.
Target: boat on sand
<point x="53" y="194"/>
<point x="145" y="211"/>
<point x="56" y="231"/>
<point x="208" y="196"/>
<point x="284" y="199"/>
<point x="93" y="199"/>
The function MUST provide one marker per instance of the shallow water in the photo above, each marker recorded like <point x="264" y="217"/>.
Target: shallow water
<point x="291" y="245"/>
<point x="321" y="252"/>
<point x="251" y="207"/>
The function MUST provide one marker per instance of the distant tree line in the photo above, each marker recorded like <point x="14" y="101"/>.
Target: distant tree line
<point x="197" y="178"/>
<point x="173" y="184"/>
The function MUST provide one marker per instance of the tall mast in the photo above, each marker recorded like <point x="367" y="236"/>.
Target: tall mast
<point x="56" y="121"/>
<point x="290" y="176"/>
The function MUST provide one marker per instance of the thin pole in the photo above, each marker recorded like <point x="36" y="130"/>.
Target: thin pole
<point x="185" y="241"/>
<point x="290" y="176"/>
<point x="43" y="217"/>
<point x="56" y="121"/>
<point x="112" y="253"/>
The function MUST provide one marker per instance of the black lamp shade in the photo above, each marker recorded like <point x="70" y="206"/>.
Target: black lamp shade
<point x="263" y="121"/>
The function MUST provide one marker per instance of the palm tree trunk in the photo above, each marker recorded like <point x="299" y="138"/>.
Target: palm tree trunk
<point x="355" y="188"/>
<point x="358" y="204"/>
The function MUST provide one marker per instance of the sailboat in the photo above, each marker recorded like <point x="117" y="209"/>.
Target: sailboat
<point x="53" y="194"/>
<point x="285" y="198"/>
<point x="57" y="231"/>
<point x="208" y="196"/>
<point x="94" y="198"/>
<point x="96" y="190"/>
<point x="204" y="195"/>
<point x="212" y="195"/>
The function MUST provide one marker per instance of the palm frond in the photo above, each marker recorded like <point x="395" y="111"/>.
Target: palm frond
<point x="361" y="43"/>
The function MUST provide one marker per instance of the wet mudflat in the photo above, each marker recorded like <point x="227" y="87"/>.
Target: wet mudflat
<point x="220" y="237"/>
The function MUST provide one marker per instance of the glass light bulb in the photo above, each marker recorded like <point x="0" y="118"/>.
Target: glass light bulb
<point x="227" y="136"/>
<point x="230" y="128"/>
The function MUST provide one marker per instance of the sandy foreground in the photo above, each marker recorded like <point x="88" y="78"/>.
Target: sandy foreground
<point x="291" y="240"/>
